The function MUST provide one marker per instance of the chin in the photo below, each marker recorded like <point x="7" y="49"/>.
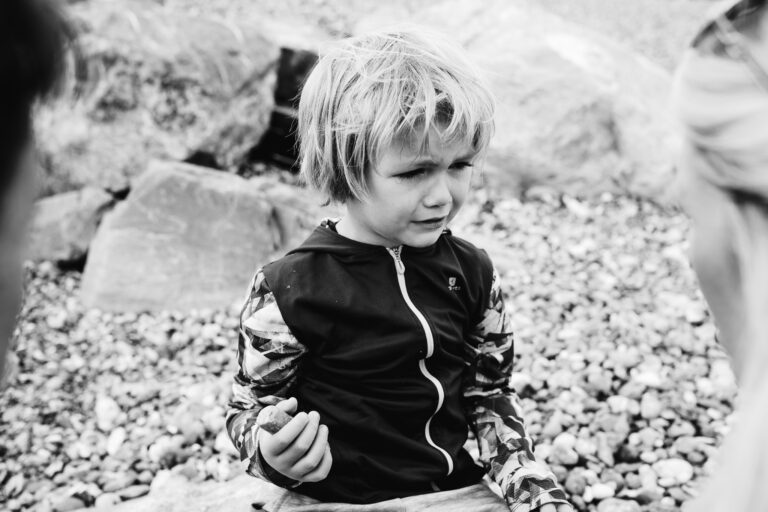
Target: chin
<point x="422" y="241"/>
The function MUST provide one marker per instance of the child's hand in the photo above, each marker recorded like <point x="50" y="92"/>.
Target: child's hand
<point x="299" y="450"/>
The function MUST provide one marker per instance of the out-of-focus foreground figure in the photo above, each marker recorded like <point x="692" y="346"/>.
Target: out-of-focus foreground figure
<point x="721" y="95"/>
<point x="32" y="38"/>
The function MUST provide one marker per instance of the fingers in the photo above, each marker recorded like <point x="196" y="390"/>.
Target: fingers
<point x="303" y="443"/>
<point x="322" y="469"/>
<point x="288" y="405"/>
<point x="299" y="450"/>
<point x="314" y="455"/>
<point x="285" y="437"/>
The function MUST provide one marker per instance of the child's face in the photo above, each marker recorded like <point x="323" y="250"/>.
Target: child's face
<point x="412" y="194"/>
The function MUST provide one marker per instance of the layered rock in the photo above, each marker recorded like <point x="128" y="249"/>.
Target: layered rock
<point x="188" y="237"/>
<point x="152" y="83"/>
<point x="64" y="225"/>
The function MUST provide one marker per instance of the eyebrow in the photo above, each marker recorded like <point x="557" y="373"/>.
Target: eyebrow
<point x="431" y="162"/>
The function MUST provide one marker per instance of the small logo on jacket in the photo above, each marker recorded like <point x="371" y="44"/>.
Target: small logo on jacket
<point x="452" y="284"/>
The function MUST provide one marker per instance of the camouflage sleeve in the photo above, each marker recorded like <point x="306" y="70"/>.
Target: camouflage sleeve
<point x="506" y="449"/>
<point x="268" y="359"/>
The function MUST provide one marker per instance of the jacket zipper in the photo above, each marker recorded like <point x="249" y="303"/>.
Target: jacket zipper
<point x="395" y="253"/>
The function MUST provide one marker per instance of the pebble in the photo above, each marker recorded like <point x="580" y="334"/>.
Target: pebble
<point x="107" y="412"/>
<point x="650" y="406"/>
<point x="117" y="481"/>
<point x="576" y="482"/>
<point x="68" y="504"/>
<point x="585" y="447"/>
<point x="600" y="491"/>
<point x="673" y="472"/>
<point x="106" y="500"/>
<point x="15" y="485"/>
<point x="681" y="428"/>
<point x="613" y="477"/>
<point x="605" y="450"/>
<point x="134" y="491"/>
<point x="564" y="455"/>
<point x="115" y="440"/>
<point x="618" y="505"/>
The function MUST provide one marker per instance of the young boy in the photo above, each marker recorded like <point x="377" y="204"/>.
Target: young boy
<point x="384" y="331"/>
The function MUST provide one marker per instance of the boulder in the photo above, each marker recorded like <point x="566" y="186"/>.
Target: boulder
<point x="188" y="237"/>
<point x="576" y="111"/>
<point x="176" y="494"/>
<point x="64" y="225"/>
<point x="148" y="82"/>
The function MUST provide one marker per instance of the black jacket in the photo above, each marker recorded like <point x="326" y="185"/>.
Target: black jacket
<point x="386" y="359"/>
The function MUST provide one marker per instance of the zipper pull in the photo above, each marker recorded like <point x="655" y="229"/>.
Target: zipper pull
<point x="399" y="265"/>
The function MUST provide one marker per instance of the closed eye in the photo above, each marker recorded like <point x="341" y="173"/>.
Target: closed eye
<point x="461" y="165"/>
<point x="413" y="174"/>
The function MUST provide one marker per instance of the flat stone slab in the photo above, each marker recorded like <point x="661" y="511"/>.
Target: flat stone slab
<point x="190" y="238"/>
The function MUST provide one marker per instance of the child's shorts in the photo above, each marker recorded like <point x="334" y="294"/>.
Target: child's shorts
<point x="475" y="498"/>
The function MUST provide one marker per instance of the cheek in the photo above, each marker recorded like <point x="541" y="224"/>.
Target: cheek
<point x="460" y="188"/>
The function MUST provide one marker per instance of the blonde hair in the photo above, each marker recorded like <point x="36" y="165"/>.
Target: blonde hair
<point x="370" y="89"/>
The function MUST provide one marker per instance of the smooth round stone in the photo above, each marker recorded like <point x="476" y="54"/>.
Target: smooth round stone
<point x="118" y="481"/>
<point x="617" y="505"/>
<point x="678" y="494"/>
<point x="599" y="382"/>
<point x="612" y="477"/>
<point x="650" y="438"/>
<point x="632" y="481"/>
<point x="648" y="477"/>
<point x="605" y="451"/>
<point x="673" y="471"/>
<point x="565" y="440"/>
<point x="680" y="429"/>
<point x="618" y="404"/>
<point x="585" y="447"/>
<point x="134" y="491"/>
<point x="600" y="491"/>
<point x="68" y="504"/>
<point x="668" y="503"/>
<point x="106" y="500"/>
<point x="563" y="455"/>
<point x="560" y="472"/>
<point x="650" y="406"/>
<point x="576" y="483"/>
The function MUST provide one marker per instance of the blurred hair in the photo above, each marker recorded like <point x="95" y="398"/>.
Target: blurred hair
<point x="368" y="90"/>
<point x="33" y="34"/>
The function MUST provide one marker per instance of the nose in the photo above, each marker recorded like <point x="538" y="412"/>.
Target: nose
<point x="439" y="192"/>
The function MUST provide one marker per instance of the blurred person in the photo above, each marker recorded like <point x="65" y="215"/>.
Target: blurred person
<point x="721" y="98"/>
<point x="32" y="38"/>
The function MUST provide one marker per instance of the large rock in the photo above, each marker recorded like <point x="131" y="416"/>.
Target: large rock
<point x="190" y="238"/>
<point x="176" y="494"/>
<point x="575" y="111"/>
<point x="153" y="83"/>
<point x="64" y="225"/>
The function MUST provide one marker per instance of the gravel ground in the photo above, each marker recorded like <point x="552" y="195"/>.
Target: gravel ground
<point x="624" y="388"/>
